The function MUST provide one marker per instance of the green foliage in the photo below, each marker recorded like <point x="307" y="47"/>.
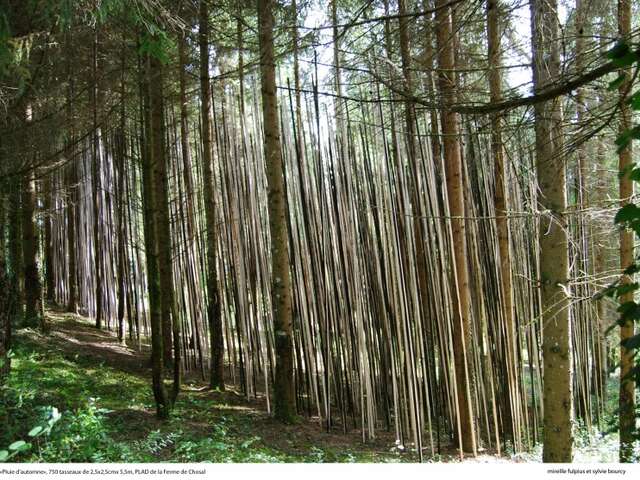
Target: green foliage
<point x="623" y="141"/>
<point x="82" y="433"/>
<point x="107" y="9"/>
<point x="628" y="216"/>
<point x="80" y="437"/>
<point x="14" y="55"/>
<point x="615" y="84"/>
<point x="8" y="356"/>
<point x="6" y="56"/>
<point x="622" y="56"/>
<point x="106" y="415"/>
<point x="51" y="417"/>
<point x="157" y="44"/>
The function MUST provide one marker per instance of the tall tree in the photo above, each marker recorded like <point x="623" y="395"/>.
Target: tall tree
<point x="48" y="240"/>
<point x="213" y="297"/>
<point x="163" y="230"/>
<point x="554" y="267"/>
<point x="96" y="184"/>
<point x="285" y="406"/>
<point x="455" y="191"/>
<point x="625" y="160"/>
<point x="3" y="217"/>
<point x="71" y="181"/>
<point x="151" y="220"/>
<point x="15" y="269"/>
<point x="5" y="302"/>
<point x="71" y="178"/>
<point x="32" y="287"/>
<point x="120" y="154"/>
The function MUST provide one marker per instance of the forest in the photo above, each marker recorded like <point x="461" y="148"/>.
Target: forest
<point x="319" y="231"/>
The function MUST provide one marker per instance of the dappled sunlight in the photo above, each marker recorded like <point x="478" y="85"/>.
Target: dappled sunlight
<point x="320" y="231"/>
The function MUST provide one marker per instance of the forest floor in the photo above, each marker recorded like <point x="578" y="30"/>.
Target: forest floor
<point x="102" y="388"/>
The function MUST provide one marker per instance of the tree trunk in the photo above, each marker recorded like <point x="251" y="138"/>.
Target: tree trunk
<point x="151" y="220"/>
<point x="48" y="247"/>
<point x="121" y="150"/>
<point x="5" y="303"/>
<point x="453" y="172"/>
<point x="625" y="159"/>
<point x="278" y="227"/>
<point x="213" y="306"/>
<point x="554" y="269"/>
<point x="163" y="230"/>
<point x="32" y="288"/>
<point x="96" y="191"/>
<point x="3" y="216"/>
<point x="15" y="261"/>
<point x="161" y="205"/>
<point x="72" y="180"/>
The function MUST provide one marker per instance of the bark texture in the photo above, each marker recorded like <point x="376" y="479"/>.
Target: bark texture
<point x="554" y="267"/>
<point x="625" y="159"/>
<point x="33" y="316"/>
<point x="213" y="306"/>
<point x="455" y="192"/>
<point x="5" y="311"/>
<point x="285" y="406"/>
<point x="151" y="219"/>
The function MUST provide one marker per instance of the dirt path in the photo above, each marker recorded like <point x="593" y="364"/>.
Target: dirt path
<point x="201" y="409"/>
<point x="75" y="336"/>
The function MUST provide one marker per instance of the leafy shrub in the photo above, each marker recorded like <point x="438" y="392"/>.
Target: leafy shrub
<point x="42" y="430"/>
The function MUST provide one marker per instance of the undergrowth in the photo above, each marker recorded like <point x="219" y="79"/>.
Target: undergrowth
<point x="103" y="414"/>
<point x="106" y="415"/>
